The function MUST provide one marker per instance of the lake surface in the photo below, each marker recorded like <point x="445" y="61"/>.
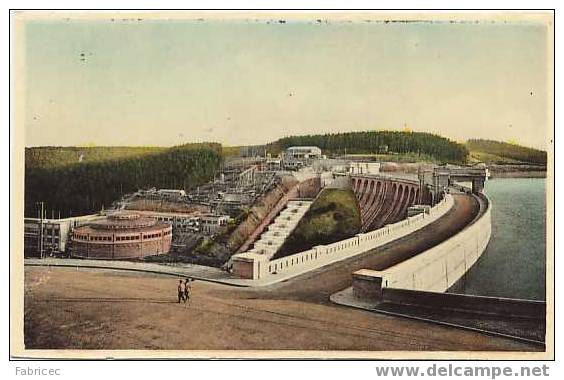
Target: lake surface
<point x="513" y="264"/>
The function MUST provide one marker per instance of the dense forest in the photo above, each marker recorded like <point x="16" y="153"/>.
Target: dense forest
<point x="374" y="142"/>
<point x="85" y="187"/>
<point x="506" y="150"/>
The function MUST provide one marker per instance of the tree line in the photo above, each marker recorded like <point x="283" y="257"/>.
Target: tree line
<point x="86" y="187"/>
<point x="378" y="142"/>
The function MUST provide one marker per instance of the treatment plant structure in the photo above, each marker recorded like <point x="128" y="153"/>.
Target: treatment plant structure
<point x="123" y="235"/>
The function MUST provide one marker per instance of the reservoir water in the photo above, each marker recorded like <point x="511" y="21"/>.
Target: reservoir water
<point x="514" y="263"/>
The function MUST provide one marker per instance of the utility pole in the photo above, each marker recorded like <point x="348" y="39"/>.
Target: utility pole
<point x="41" y="215"/>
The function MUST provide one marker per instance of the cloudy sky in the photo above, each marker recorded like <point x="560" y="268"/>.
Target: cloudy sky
<point x="158" y="82"/>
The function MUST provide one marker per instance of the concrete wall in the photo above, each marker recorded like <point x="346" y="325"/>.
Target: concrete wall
<point x="507" y="307"/>
<point x="326" y="254"/>
<point x="119" y="250"/>
<point x="438" y="268"/>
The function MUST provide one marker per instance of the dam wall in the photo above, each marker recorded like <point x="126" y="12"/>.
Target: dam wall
<point x="436" y="269"/>
<point x="383" y="200"/>
<point x="251" y="265"/>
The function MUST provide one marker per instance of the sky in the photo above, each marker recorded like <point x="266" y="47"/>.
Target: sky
<point x="158" y="82"/>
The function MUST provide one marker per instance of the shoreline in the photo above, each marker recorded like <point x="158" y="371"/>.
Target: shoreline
<point x="518" y="174"/>
<point x="493" y="174"/>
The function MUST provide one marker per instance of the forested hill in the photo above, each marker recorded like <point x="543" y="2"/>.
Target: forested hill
<point x="492" y="151"/>
<point x="375" y="142"/>
<point x="55" y="156"/>
<point x="79" y="188"/>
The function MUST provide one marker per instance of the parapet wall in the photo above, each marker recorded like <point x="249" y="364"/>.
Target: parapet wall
<point x="255" y="266"/>
<point x="436" y="269"/>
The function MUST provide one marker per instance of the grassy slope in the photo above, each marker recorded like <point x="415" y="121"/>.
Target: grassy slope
<point x="489" y="158"/>
<point x="334" y="216"/>
<point x="495" y="152"/>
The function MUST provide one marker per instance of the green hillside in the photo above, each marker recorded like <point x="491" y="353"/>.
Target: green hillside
<point x="378" y="142"/>
<point x="495" y="152"/>
<point x="332" y="217"/>
<point x="84" y="187"/>
<point x="54" y="156"/>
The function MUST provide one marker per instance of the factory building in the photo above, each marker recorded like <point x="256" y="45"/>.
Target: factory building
<point x="55" y="234"/>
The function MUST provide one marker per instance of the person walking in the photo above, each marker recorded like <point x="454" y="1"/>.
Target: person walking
<point x="187" y="290"/>
<point x="181" y="291"/>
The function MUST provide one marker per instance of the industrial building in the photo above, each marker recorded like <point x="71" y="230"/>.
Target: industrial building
<point x="123" y="235"/>
<point x="53" y="232"/>
<point x="297" y="157"/>
<point x="211" y="224"/>
<point x="303" y="152"/>
<point x="180" y="222"/>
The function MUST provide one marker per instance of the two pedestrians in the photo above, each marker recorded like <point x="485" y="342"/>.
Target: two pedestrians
<point x="184" y="290"/>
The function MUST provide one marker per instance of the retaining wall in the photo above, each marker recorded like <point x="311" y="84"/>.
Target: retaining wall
<point x="507" y="307"/>
<point x="248" y="263"/>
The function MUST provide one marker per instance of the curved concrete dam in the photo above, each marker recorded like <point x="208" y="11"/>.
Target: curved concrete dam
<point x="383" y="200"/>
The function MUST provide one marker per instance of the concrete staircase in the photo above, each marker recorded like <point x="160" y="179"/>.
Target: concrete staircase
<point x="278" y="231"/>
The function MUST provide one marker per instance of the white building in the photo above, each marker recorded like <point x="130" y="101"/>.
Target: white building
<point x="172" y="193"/>
<point x="211" y="224"/>
<point x="358" y="167"/>
<point x="55" y="233"/>
<point x="180" y="222"/>
<point x="303" y="152"/>
<point x="273" y="164"/>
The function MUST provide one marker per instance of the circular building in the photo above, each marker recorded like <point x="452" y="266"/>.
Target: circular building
<point x="122" y="236"/>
